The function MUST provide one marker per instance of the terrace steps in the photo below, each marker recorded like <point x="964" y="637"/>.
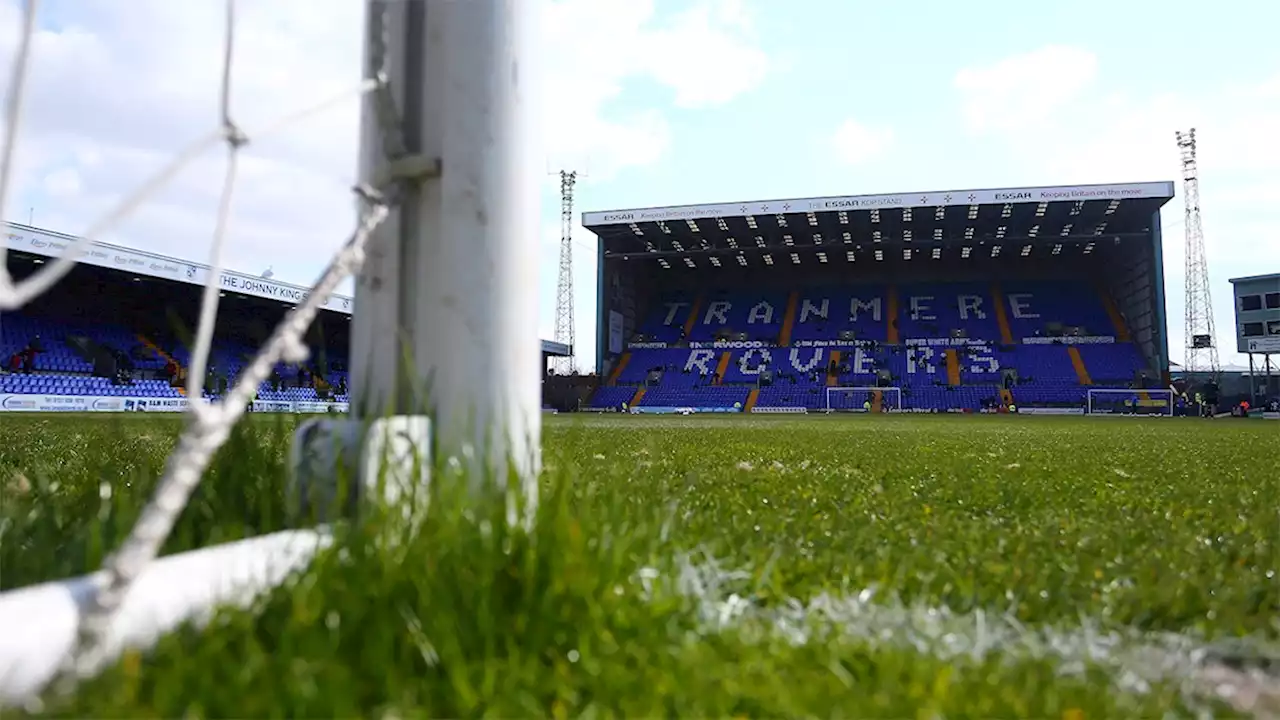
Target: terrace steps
<point x="1117" y="318"/>
<point x="160" y="353"/>
<point x="789" y="320"/>
<point x="1077" y="362"/>
<point x="618" y="368"/>
<point x="635" y="399"/>
<point x="891" y="315"/>
<point x="722" y="367"/>
<point x="877" y="401"/>
<point x="1002" y="318"/>
<point x="953" y="367"/>
<point x="692" y="320"/>
<point x="833" y="379"/>
<point x="752" y="398"/>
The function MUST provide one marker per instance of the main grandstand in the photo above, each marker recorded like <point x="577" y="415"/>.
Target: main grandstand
<point x="115" y="334"/>
<point x="1043" y="299"/>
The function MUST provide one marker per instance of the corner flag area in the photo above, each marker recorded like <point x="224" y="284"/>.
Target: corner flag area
<point x="1033" y="299"/>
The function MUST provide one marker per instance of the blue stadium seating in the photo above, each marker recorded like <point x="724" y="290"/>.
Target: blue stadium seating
<point x="946" y="345"/>
<point x="62" y="369"/>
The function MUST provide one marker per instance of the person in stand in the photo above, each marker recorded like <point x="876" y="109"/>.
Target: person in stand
<point x="28" y="354"/>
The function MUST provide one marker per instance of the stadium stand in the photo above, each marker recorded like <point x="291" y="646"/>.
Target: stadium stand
<point x="115" y="340"/>
<point x="966" y="301"/>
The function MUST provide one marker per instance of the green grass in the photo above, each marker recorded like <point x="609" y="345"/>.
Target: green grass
<point x="901" y="566"/>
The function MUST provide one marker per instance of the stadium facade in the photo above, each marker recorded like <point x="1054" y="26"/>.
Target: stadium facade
<point x="113" y="335"/>
<point x="1047" y="299"/>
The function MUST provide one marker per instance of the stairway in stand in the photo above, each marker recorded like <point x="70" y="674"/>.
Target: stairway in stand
<point x="160" y="353"/>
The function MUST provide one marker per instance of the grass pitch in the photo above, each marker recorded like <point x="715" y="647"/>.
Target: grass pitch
<point x="894" y="566"/>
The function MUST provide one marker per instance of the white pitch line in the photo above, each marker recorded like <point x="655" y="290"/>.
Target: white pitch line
<point x="1137" y="660"/>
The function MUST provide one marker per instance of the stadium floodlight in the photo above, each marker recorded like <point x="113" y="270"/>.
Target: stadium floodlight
<point x="453" y="175"/>
<point x="857" y="399"/>
<point x="1129" y="402"/>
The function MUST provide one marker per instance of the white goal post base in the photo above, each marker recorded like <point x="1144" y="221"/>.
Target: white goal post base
<point x="39" y="625"/>
<point x="1110" y="401"/>
<point x="855" y="399"/>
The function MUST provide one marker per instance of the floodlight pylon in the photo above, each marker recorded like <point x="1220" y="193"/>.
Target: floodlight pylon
<point x="1200" y="340"/>
<point x="564" y="282"/>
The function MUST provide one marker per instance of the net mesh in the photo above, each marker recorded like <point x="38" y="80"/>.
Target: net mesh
<point x="209" y="423"/>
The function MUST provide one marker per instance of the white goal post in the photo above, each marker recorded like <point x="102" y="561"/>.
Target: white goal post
<point x="444" y="342"/>
<point x="1127" y="401"/>
<point x="858" y="399"/>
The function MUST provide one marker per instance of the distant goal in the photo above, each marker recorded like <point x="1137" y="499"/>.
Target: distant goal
<point x="864" y="399"/>
<point x="1129" y="402"/>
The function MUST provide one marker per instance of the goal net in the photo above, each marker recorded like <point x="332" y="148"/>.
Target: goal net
<point x="864" y="399"/>
<point x="463" y="374"/>
<point x="1129" y="402"/>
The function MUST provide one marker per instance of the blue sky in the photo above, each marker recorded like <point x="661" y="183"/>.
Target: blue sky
<point x="858" y="98"/>
<point x="666" y="102"/>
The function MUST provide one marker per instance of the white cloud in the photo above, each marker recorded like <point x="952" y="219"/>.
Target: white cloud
<point x="116" y="89"/>
<point x="706" y="55"/>
<point x="856" y="143"/>
<point x="1130" y="137"/>
<point x="1023" y="90"/>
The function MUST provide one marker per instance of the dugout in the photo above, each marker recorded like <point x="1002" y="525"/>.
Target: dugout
<point x="1106" y="235"/>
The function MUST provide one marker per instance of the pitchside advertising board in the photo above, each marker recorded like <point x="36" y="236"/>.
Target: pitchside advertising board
<point x="114" y="257"/>
<point x="85" y="403"/>
<point x="1262" y="345"/>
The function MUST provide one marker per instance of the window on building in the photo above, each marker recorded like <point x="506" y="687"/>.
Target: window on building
<point x="1249" y="303"/>
<point x="1251" y="329"/>
<point x="1273" y="301"/>
<point x="1273" y="327"/>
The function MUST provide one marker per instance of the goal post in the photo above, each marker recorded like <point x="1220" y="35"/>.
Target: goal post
<point x="864" y="398"/>
<point x="444" y="343"/>
<point x="1128" y="401"/>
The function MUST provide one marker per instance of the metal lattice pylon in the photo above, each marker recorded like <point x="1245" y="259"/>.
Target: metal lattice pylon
<point x="1201" y="342"/>
<point x="564" y="283"/>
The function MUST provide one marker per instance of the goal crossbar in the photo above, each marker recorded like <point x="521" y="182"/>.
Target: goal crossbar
<point x="862" y="398"/>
